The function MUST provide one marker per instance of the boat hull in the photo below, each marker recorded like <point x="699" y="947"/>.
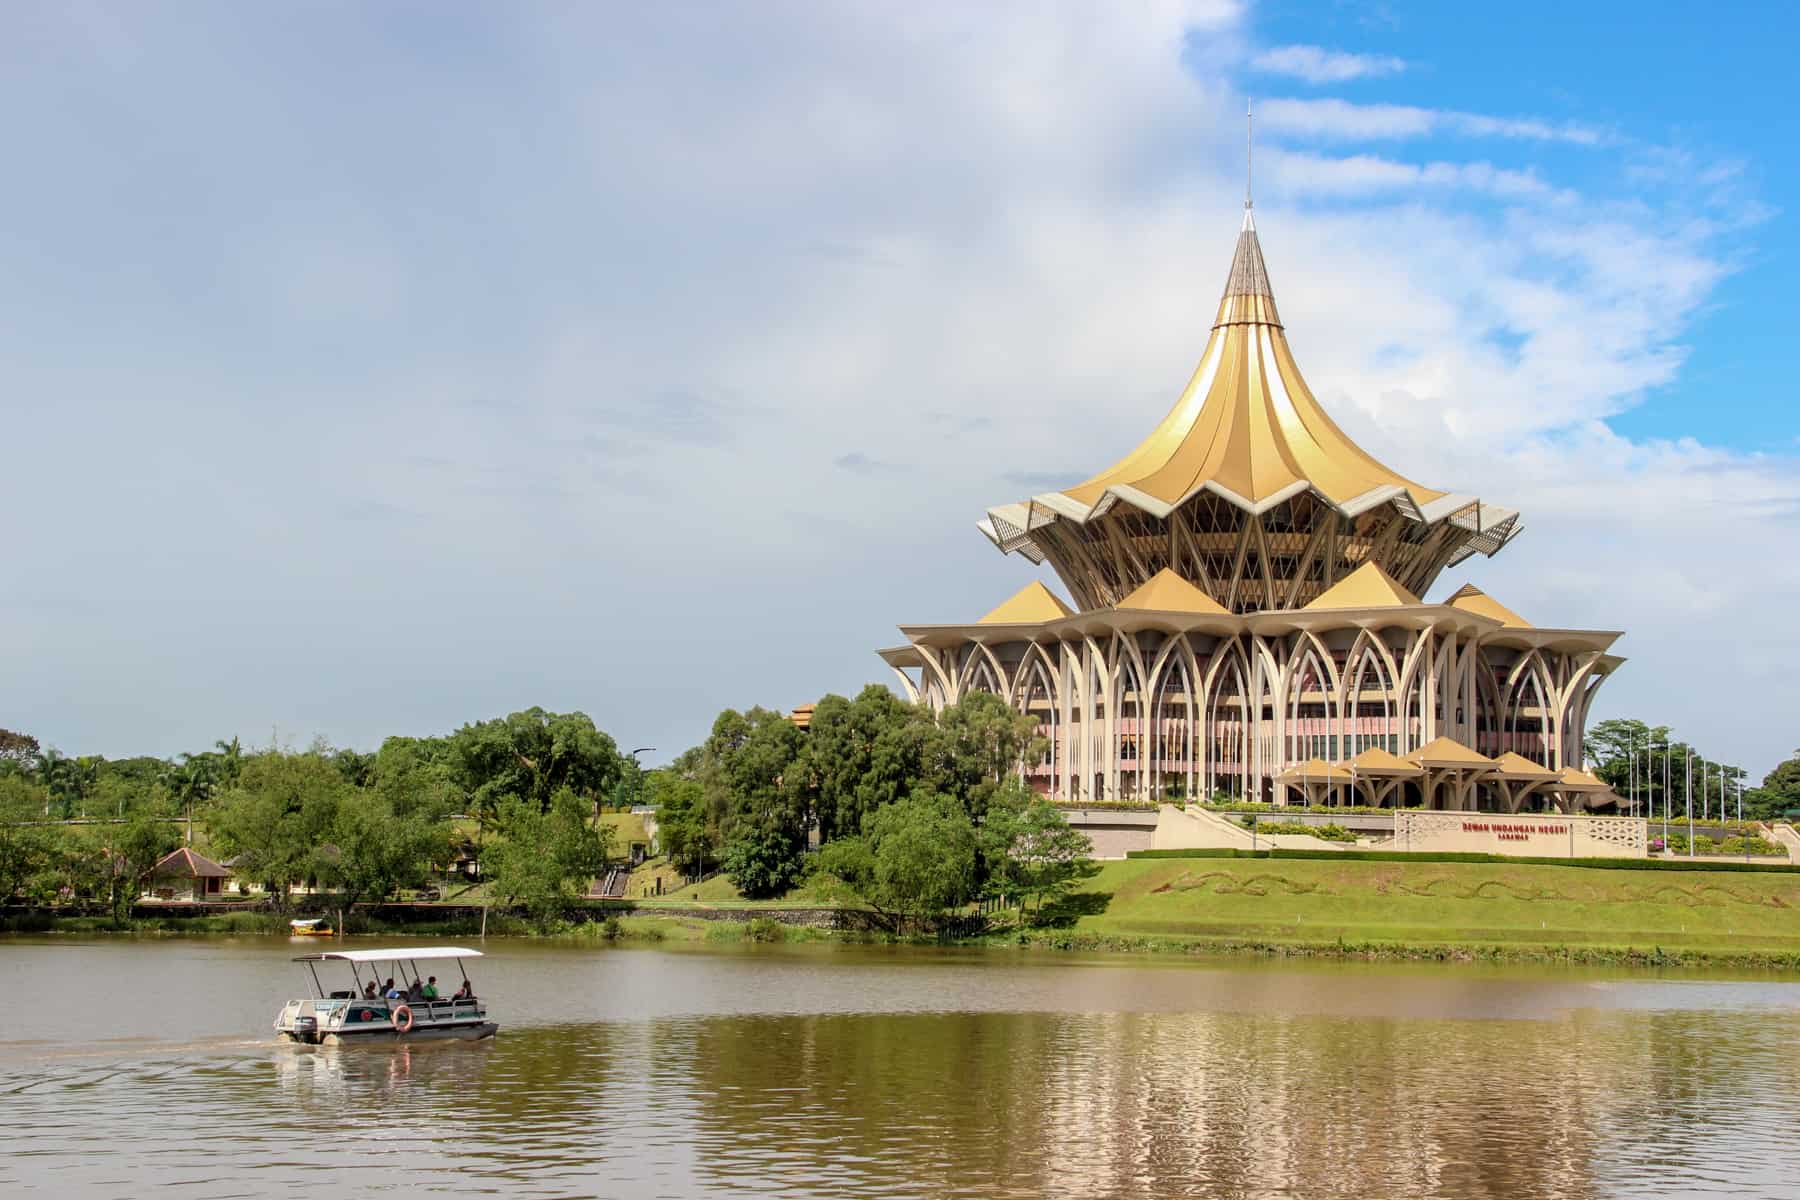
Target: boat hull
<point x="473" y="1032"/>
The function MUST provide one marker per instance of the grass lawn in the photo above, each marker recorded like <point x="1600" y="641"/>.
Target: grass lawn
<point x="627" y="828"/>
<point x="1439" y="904"/>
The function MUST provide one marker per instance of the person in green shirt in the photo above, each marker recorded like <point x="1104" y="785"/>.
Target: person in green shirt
<point x="430" y="992"/>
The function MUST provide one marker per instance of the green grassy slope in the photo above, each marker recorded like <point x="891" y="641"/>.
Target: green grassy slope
<point x="1426" y="904"/>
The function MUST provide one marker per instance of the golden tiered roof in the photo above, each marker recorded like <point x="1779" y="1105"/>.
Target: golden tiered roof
<point x="1246" y="436"/>
<point x="1247" y="424"/>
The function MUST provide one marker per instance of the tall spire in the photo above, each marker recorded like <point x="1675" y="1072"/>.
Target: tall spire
<point x="1248" y="297"/>
<point x="1249" y="162"/>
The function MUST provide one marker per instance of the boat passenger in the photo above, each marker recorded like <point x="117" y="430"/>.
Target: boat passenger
<point x="369" y="990"/>
<point x="390" y="991"/>
<point x="429" y="991"/>
<point x="465" y="992"/>
<point x="415" y="992"/>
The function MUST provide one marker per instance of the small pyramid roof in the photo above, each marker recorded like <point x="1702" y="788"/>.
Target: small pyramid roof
<point x="1366" y="587"/>
<point x="1032" y="604"/>
<point x="1376" y="761"/>
<point x="1472" y="599"/>
<point x="186" y="862"/>
<point x="1573" y="780"/>
<point x="1314" y="770"/>
<point x="1518" y="767"/>
<point x="1166" y="591"/>
<point x="1448" y="752"/>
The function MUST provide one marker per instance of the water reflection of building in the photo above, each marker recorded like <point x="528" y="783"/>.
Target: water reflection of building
<point x="1132" y="1104"/>
<point x="1247" y="589"/>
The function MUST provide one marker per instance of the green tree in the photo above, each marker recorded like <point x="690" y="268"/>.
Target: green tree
<point x="18" y="752"/>
<point x="377" y="851"/>
<point x="531" y="755"/>
<point x="1036" y="854"/>
<point x="27" y="850"/>
<point x="1779" y="793"/>
<point x="755" y="799"/>
<point x="128" y="857"/>
<point x="416" y="776"/>
<point x="279" y="816"/>
<point x="681" y="826"/>
<point x="983" y="743"/>
<point x="547" y="857"/>
<point x="357" y="768"/>
<point x="914" y="859"/>
<point x="860" y="754"/>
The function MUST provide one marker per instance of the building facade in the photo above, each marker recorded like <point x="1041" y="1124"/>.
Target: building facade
<point x="1246" y="609"/>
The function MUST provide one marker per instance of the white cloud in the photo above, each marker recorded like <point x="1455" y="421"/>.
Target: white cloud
<point x="697" y="344"/>
<point x="1315" y="64"/>
<point x="1362" y="174"/>
<point x="1340" y="120"/>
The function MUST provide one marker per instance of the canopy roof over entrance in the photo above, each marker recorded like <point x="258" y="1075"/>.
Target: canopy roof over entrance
<point x="1448" y="754"/>
<point x="1376" y="761"/>
<point x="1315" y="770"/>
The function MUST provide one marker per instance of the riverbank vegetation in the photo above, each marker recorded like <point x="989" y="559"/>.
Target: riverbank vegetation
<point x="881" y="804"/>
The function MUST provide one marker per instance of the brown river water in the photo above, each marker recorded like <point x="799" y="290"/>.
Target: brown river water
<point x="140" y="1067"/>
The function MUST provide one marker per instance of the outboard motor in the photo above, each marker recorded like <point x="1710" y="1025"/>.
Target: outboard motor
<point x="306" y="1029"/>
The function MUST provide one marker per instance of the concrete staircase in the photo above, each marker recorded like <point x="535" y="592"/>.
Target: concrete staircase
<point x="1784" y="834"/>
<point x="1201" y="829"/>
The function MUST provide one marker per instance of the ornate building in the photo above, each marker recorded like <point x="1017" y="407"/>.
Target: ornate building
<point x="1247" y="612"/>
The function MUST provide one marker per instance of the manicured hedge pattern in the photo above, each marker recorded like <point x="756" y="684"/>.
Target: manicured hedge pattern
<point x="1605" y="864"/>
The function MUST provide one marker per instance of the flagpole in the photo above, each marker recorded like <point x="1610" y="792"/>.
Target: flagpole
<point x="1666" y="795"/>
<point x="1687" y="796"/>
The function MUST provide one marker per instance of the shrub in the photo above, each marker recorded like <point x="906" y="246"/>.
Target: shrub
<point x="1605" y="864"/>
<point x="765" y="929"/>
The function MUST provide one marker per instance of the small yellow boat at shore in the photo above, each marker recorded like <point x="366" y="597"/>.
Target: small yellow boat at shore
<point x="315" y="927"/>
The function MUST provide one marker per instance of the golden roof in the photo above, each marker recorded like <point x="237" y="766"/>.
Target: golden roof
<point x="1166" y="591"/>
<point x="1519" y="768"/>
<point x="1376" y="761"/>
<point x="1573" y="780"/>
<point x="1314" y="770"/>
<point x="1366" y="587"/>
<point x="1032" y="604"/>
<point x="1246" y="423"/>
<point x="1472" y="599"/>
<point x="1449" y="753"/>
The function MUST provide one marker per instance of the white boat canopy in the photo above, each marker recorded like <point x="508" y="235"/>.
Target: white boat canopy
<point x="402" y="954"/>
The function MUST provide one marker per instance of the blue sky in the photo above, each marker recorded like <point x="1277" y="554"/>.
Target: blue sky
<point x="375" y="368"/>
<point x="1712" y="85"/>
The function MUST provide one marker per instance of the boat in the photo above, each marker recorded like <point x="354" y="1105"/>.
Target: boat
<point x="313" y="927"/>
<point x="350" y="1016"/>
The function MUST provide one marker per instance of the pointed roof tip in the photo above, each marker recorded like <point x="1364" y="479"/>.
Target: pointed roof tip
<point x="1166" y="591"/>
<point x="1472" y="599"/>
<point x="1366" y="587"/>
<point x="1249" y="275"/>
<point x="1032" y="604"/>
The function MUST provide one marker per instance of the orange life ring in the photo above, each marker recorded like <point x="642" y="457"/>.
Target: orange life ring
<point x="403" y="1019"/>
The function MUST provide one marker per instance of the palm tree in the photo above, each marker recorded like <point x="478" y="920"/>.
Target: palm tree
<point x="231" y="760"/>
<point x="192" y="783"/>
<point x="53" y="772"/>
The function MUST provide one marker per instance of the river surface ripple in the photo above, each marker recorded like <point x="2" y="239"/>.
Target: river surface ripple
<point x="134" y="1066"/>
